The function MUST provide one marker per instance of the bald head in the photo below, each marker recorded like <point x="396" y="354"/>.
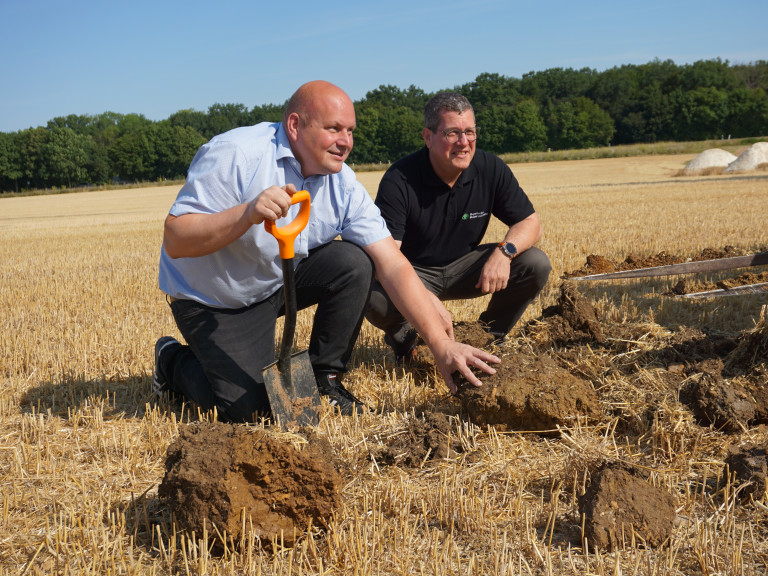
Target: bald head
<point x="309" y="96"/>
<point x="318" y="121"/>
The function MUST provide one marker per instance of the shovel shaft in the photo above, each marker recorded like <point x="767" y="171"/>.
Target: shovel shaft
<point x="289" y="330"/>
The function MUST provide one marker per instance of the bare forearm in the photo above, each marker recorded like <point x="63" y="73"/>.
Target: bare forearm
<point x="192" y="235"/>
<point x="525" y="233"/>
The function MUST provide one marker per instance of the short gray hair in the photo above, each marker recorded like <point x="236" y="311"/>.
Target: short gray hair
<point x="449" y="101"/>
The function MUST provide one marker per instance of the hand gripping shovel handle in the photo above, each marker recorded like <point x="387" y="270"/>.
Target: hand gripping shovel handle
<point x="286" y="236"/>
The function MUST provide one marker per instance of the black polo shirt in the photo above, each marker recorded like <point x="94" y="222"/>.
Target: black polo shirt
<point x="438" y="224"/>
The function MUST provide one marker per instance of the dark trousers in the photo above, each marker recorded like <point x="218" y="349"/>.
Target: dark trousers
<point x="528" y="273"/>
<point x="221" y="365"/>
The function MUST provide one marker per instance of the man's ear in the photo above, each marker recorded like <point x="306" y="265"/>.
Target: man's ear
<point x="426" y="133"/>
<point x="292" y="126"/>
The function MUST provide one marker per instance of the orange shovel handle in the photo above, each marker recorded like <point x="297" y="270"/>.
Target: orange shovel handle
<point x="286" y="235"/>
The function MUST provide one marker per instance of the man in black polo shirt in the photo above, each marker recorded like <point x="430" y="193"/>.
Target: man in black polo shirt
<point x="437" y="204"/>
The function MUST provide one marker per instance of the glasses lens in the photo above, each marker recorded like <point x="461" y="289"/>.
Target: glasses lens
<point x="453" y="136"/>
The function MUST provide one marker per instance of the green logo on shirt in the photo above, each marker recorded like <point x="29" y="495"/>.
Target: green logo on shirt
<point x="465" y="217"/>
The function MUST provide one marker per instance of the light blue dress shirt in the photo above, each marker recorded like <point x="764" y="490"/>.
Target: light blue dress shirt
<point x="235" y="167"/>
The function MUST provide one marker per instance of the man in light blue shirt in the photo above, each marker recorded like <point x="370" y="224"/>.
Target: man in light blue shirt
<point x="222" y="272"/>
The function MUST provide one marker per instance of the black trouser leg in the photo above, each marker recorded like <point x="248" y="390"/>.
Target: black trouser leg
<point x="337" y="277"/>
<point x="528" y="275"/>
<point x="227" y="350"/>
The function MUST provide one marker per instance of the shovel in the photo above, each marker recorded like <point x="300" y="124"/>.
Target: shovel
<point x="290" y="381"/>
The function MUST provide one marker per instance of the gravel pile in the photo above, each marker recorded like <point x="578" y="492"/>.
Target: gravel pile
<point x="750" y="159"/>
<point x="712" y="158"/>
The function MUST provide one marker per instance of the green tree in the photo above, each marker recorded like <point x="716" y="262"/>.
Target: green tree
<point x="368" y="148"/>
<point x="175" y="147"/>
<point x="189" y="118"/>
<point x="556" y="84"/>
<point x="526" y="130"/>
<point x="10" y="162"/>
<point x="66" y="153"/>
<point x="747" y="113"/>
<point x="267" y="113"/>
<point x="492" y="125"/>
<point x="579" y="124"/>
<point x="491" y="91"/>
<point x="388" y="96"/>
<point x="224" y="117"/>
<point x="701" y="114"/>
<point x="134" y="154"/>
<point x="34" y="169"/>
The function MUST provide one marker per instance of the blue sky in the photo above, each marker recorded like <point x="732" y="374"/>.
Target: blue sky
<point x="155" y="58"/>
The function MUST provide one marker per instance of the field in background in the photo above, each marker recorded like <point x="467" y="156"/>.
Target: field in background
<point x="82" y="446"/>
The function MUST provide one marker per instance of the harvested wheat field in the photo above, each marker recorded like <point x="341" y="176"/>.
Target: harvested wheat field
<point x="624" y="433"/>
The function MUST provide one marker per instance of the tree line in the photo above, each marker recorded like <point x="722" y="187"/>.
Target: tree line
<point x="559" y="108"/>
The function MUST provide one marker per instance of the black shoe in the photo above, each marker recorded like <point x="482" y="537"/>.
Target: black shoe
<point x="160" y="382"/>
<point x="405" y="352"/>
<point x="329" y="384"/>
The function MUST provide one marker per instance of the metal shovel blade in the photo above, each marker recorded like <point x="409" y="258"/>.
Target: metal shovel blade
<point x="293" y="392"/>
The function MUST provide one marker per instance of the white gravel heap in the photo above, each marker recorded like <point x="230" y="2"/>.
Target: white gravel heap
<point x="750" y="159"/>
<point x="712" y="158"/>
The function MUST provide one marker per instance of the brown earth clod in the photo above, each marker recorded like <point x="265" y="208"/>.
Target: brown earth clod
<point x="620" y="506"/>
<point x="428" y="438"/>
<point x="215" y="472"/>
<point x="749" y="466"/>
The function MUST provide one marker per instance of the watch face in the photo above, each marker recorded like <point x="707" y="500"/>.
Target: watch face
<point x="510" y="248"/>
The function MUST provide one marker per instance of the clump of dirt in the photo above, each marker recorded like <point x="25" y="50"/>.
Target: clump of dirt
<point x="528" y="392"/>
<point x="215" y="471"/>
<point x="419" y="441"/>
<point x="573" y="319"/>
<point x="726" y="406"/>
<point x="752" y="345"/>
<point x="749" y="465"/>
<point x="619" y="503"/>
<point x="737" y="403"/>
<point x="597" y="264"/>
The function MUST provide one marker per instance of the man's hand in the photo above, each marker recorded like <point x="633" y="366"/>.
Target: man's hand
<point x="452" y="356"/>
<point x="495" y="273"/>
<point x="272" y="204"/>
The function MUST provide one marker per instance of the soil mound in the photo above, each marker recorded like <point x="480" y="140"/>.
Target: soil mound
<point x="751" y="159"/>
<point x="620" y="504"/>
<point x="419" y="441"/>
<point x="749" y="465"/>
<point x="529" y="392"/>
<point x="712" y="158"/>
<point x="215" y="472"/>
<point x="728" y="406"/>
<point x="573" y="319"/>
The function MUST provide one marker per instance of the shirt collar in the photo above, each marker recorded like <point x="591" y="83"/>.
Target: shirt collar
<point x="283" y="145"/>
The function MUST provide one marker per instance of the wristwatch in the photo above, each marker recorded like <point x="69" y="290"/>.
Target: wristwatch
<point x="508" y="249"/>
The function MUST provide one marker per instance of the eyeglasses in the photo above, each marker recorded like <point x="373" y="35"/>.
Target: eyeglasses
<point x="454" y="134"/>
